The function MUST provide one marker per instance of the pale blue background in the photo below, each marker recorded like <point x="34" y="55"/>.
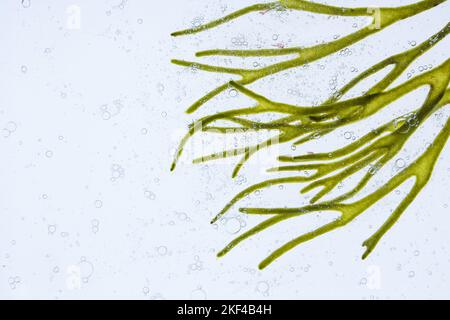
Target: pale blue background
<point x="90" y="111"/>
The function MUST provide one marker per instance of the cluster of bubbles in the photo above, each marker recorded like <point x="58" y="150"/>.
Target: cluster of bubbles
<point x="117" y="172"/>
<point x="295" y="92"/>
<point x="408" y="121"/>
<point x="250" y="270"/>
<point x="149" y="195"/>
<point x="349" y="135"/>
<point x="410" y="74"/>
<point x="239" y="41"/>
<point x="263" y="287"/>
<point x="257" y="64"/>
<point x="197" y="265"/>
<point x="345" y="52"/>
<point x="240" y="179"/>
<point x="333" y="83"/>
<point x="95" y="225"/>
<point x="9" y="129"/>
<point x="197" y="22"/>
<point x="306" y="268"/>
<point x="110" y="110"/>
<point x="14" y="282"/>
<point x="121" y="5"/>
<point x="182" y="216"/>
<point x="425" y="67"/>
<point x="280" y="11"/>
<point x="194" y="68"/>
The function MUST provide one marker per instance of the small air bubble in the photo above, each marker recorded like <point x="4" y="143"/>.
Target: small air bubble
<point x="26" y="3"/>
<point x="98" y="203"/>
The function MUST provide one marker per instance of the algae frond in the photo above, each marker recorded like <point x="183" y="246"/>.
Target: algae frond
<point x="300" y="124"/>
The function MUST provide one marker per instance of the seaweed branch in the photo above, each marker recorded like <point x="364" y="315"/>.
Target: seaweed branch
<point x="384" y="17"/>
<point x="400" y="61"/>
<point x="300" y="124"/>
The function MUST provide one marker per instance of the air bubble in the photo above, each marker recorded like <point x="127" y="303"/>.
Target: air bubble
<point x="150" y="195"/>
<point x="26" y="3"/>
<point x="400" y="163"/>
<point x="233" y="225"/>
<point x="51" y="229"/>
<point x="233" y="93"/>
<point x="348" y="135"/>
<point x="98" y="203"/>
<point x="162" y="250"/>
